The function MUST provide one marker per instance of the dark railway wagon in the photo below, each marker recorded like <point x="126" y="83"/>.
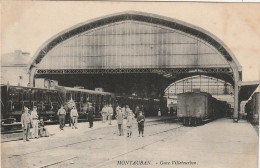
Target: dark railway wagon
<point x="48" y="101"/>
<point x="252" y="108"/>
<point x="14" y="98"/>
<point x="194" y="108"/>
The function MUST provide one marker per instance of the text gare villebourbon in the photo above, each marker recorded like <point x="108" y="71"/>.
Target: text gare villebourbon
<point x="177" y="162"/>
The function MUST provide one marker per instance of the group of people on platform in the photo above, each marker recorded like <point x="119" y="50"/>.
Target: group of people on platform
<point x="107" y="113"/>
<point x="122" y="112"/>
<point x="29" y="120"/>
<point x="73" y="116"/>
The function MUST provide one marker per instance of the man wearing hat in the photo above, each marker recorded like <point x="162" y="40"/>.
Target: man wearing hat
<point x="26" y="120"/>
<point x="90" y="112"/>
<point x="34" y="118"/>
<point x="62" y="114"/>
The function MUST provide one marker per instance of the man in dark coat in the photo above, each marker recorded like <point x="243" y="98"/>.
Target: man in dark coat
<point x="140" y="121"/>
<point x="90" y="112"/>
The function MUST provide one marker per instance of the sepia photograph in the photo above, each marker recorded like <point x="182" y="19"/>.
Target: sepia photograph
<point x="129" y="84"/>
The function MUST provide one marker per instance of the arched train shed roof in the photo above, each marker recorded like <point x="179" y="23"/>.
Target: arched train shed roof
<point x="136" y="16"/>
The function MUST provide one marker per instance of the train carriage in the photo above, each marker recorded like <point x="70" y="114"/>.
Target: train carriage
<point x="82" y="97"/>
<point x="194" y="108"/>
<point x="252" y="108"/>
<point x="15" y="98"/>
<point x="49" y="100"/>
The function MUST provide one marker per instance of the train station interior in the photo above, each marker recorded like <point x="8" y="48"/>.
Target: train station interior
<point x="135" y="59"/>
<point x="144" y="55"/>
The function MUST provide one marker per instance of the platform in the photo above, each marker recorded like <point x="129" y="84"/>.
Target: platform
<point x="166" y="143"/>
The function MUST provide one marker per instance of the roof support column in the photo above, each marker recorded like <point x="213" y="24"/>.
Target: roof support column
<point x="31" y="76"/>
<point x="236" y="90"/>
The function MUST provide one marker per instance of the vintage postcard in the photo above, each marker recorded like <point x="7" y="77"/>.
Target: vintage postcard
<point x="129" y="84"/>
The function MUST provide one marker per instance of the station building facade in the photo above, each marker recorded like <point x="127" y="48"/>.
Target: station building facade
<point x="14" y="68"/>
<point x="136" y="53"/>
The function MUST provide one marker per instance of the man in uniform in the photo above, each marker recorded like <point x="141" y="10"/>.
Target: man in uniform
<point x="110" y="113"/>
<point x="26" y="120"/>
<point x="34" y="118"/>
<point x="74" y="117"/>
<point x="90" y="111"/>
<point x="62" y="114"/>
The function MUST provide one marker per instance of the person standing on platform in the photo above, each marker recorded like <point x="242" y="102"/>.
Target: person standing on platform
<point x="110" y="114"/>
<point x="67" y="116"/>
<point x="140" y="121"/>
<point x="120" y="118"/>
<point x="159" y="113"/>
<point x="26" y="121"/>
<point x="104" y="113"/>
<point x="129" y="123"/>
<point x="74" y="117"/>
<point x="90" y="112"/>
<point x="34" y="118"/>
<point x="62" y="114"/>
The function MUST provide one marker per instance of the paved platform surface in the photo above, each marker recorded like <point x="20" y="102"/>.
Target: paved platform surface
<point x="220" y="143"/>
<point x="54" y="129"/>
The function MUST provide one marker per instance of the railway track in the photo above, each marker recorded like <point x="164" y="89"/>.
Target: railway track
<point x="151" y="124"/>
<point x="96" y="165"/>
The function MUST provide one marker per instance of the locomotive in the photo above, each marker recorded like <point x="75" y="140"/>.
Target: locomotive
<point x="194" y="108"/>
<point x="252" y="108"/>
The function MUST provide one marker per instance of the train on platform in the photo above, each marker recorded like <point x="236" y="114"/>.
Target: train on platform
<point x="194" y="108"/>
<point x="252" y="108"/>
<point x="49" y="100"/>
